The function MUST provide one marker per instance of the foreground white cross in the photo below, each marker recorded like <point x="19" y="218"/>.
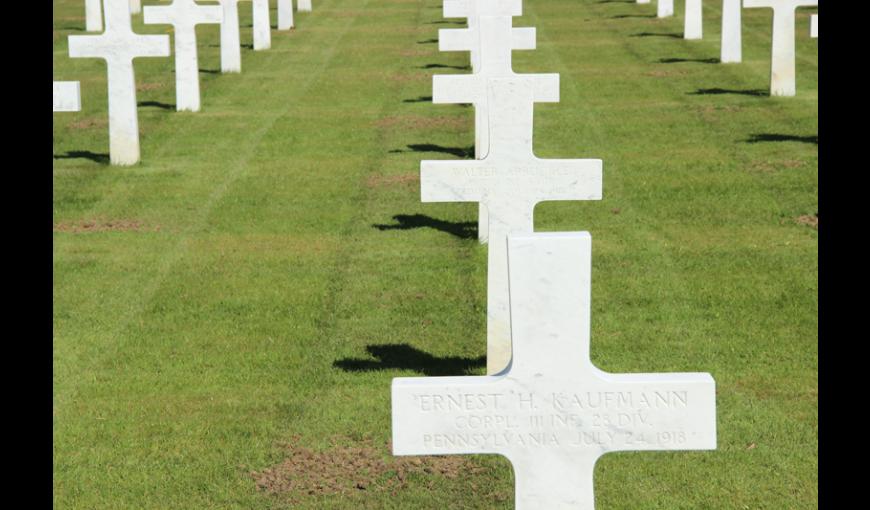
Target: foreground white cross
<point x="782" y="60"/>
<point x="694" y="20"/>
<point x="510" y="181"/>
<point x="262" y="25"/>
<point x="93" y="16"/>
<point x="119" y="45"/>
<point x="231" y="44"/>
<point x="814" y="26"/>
<point x="732" y="43"/>
<point x="303" y="5"/>
<point x="285" y="14"/>
<point x="184" y="16"/>
<point x="490" y="47"/>
<point x="665" y="8"/>
<point x="135" y="6"/>
<point x="67" y="96"/>
<point x="552" y="413"/>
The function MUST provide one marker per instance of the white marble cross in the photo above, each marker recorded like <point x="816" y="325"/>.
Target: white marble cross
<point x="184" y="16"/>
<point x="119" y="45"/>
<point x="665" y="8"/>
<point x="490" y="49"/>
<point x="303" y="5"/>
<point x="67" y="96"/>
<point x="231" y="44"/>
<point x="782" y="60"/>
<point x="285" y="14"/>
<point x="93" y="16"/>
<point x="732" y="41"/>
<point x="694" y="20"/>
<point x="135" y="6"/>
<point x="510" y="181"/>
<point x="814" y="26"/>
<point x="552" y="413"/>
<point x="262" y="25"/>
<point x="643" y="1"/>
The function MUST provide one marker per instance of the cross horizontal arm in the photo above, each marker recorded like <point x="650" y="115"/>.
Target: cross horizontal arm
<point x="471" y="88"/>
<point x="463" y="39"/>
<point x="456" y="39"/>
<point x="534" y="181"/>
<point x="118" y="45"/>
<point x="469" y="8"/>
<point x="780" y="3"/>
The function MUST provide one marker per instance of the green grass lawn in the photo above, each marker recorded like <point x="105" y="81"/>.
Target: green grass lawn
<point x="246" y="294"/>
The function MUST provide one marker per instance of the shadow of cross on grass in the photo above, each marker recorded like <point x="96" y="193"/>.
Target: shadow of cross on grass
<point x="460" y="229"/>
<point x="657" y="34"/>
<point x="405" y="357"/>
<point x="774" y="137"/>
<point x="93" y="156"/>
<point x="461" y="152"/>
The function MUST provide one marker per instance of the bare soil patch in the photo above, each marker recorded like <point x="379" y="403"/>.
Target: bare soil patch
<point x="414" y="53"/>
<point x="421" y="122"/>
<point x="148" y="86"/>
<point x="89" y="123"/>
<point x="353" y="469"/>
<point x="122" y="225"/>
<point x="381" y="181"/>
<point x="811" y="220"/>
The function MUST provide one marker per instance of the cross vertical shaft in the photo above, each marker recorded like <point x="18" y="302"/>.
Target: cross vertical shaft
<point x="231" y="50"/>
<point x="732" y="44"/>
<point x="118" y="46"/>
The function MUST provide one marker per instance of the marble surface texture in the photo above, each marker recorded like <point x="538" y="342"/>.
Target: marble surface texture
<point x="732" y="40"/>
<point x="93" y="16"/>
<point x="285" y="14"/>
<point x="231" y="44"/>
<point x="664" y="8"/>
<point x="693" y="23"/>
<point x="67" y="96"/>
<point x="262" y="25"/>
<point x="118" y="46"/>
<point x="552" y="413"/>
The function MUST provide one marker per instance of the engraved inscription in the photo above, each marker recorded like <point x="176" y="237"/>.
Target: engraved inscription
<point x="593" y="419"/>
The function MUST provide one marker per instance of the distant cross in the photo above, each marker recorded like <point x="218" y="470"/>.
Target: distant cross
<point x="782" y="60"/>
<point x="93" y="16"/>
<point x="119" y="45"/>
<point x="303" y="5"/>
<point x="732" y="44"/>
<point x="285" y="14"/>
<point x="231" y="44"/>
<point x="552" y="413"/>
<point x="510" y="181"/>
<point x="814" y="26"/>
<point x="694" y="20"/>
<point x="184" y="16"/>
<point x="665" y="8"/>
<point x="135" y="6"/>
<point x="262" y="25"/>
<point x="67" y="96"/>
<point x="643" y="1"/>
<point x="490" y="50"/>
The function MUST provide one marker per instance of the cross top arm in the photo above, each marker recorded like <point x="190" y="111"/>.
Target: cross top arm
<point x="470" y="8"/>
<point x="780" y="4"/>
